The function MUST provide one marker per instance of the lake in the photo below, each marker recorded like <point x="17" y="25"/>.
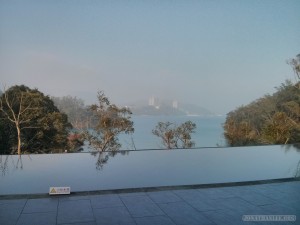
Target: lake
<point x="209" y="132"/>
<point x="30" y="174"/>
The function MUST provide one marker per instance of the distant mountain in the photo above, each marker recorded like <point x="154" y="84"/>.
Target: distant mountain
<point x="191" y="109"/>
<point x="166" y="107"/>
<point x="157" y="110"/>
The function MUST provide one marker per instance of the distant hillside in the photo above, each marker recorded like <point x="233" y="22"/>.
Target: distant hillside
<point x="157" y="111"/>
<point x="191" y="109"/>
<point x="166" y="107"/>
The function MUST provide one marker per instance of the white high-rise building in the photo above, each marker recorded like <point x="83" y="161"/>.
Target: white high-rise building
<point x="175" y="104"/>
<point x="151" y="101"/>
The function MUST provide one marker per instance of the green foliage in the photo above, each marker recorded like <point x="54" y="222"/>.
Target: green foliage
<point x="5" y="132"/>
<point x="174" y="136"/>
<point x="108" y="122"/>
<point x="273" y="119"/>
<point x="33" y="121"/>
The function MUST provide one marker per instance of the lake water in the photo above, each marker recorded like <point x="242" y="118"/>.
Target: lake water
<point x="209" y="132"/>
<point x="151" y="168"/>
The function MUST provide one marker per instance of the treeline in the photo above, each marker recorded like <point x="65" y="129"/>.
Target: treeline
<point x="79" y="114"/>
<point x="272" y="119"/>
<point x="31" y="122"/>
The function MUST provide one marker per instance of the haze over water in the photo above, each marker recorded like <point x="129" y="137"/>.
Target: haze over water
<point x="209" y="132"/>
<point x="215" y="54"/>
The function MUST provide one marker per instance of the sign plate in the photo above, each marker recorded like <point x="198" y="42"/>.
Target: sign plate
<point x="59" y="190"/>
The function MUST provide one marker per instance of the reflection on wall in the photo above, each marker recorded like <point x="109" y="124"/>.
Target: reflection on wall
<point x="297" y="172"/>
<point x="10" y="162"/>
<point x="103" y="157"/>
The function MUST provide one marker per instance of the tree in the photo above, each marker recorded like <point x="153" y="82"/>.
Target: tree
<point x="173" y="136"/>
<point x="166" y="131"/>
<point x="5" y="132"/>
<point x="18" y="109"/>
<point x="239" y="133"/>
<point x="78" y="114"/>
<point x="109" y="121"/>
<point x="295" y="64"/>
<point x="183" y="133"/>
<point x="278" y="129"/>
<point x="36" y="125"/>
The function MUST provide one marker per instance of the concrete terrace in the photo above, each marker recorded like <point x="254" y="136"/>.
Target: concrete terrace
<point x="211" y="206"/>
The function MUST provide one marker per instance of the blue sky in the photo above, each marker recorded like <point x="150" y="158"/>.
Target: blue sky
<point x="216" y="54"/>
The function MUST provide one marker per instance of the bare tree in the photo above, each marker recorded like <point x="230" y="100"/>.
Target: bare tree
<point x="15" y="106"/>
<point x="35" y="123"/>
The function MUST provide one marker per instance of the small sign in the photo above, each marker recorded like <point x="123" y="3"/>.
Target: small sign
<point x="59" y="190"/>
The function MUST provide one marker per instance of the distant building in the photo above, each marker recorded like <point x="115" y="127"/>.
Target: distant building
<point x="175" y="104"/>
<point x="153" y="101"/>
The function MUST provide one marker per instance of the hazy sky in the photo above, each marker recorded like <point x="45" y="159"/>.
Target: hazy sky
<point x="216" y="54"/>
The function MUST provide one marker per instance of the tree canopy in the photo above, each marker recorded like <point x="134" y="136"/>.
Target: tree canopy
<point x="30" y="122"/>
<point x="108" y="121"/>
<point x="272" y="119"/>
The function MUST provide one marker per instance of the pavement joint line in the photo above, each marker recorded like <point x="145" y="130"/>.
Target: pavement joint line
<point x="149" y="189"/>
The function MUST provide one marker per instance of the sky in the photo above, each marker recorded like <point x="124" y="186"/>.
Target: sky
<point x="215" y="54"/>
